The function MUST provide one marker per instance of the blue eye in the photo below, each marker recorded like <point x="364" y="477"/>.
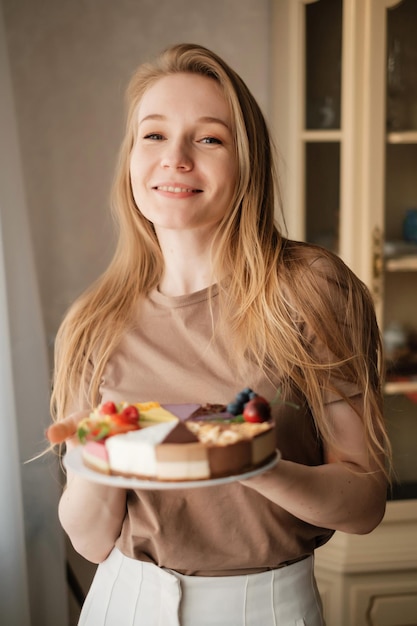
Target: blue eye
<point x="211" y="140"/>
<point x="154" y="136"/>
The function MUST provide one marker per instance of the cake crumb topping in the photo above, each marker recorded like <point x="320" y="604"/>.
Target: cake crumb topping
<point x="226" y="434"/>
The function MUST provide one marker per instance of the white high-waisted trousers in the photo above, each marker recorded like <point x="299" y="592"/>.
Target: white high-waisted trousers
<point x="127" y="592"/>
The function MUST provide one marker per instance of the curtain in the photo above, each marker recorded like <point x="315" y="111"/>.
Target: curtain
<point x="32" y="552"/>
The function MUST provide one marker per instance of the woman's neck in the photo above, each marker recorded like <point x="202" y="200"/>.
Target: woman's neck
<point x="187" y="262"/>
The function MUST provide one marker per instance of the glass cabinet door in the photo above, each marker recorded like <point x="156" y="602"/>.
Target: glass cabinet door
<point x="400" y="227"/>
<point x="401" y="67"/>
<point x="322" y="117"/>
<point x="347" y="114"/>
<point x="400" y="243"/>
<point x="323" y="60"/>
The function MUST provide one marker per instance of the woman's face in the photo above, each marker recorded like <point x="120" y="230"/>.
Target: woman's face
<point x="183" y="165"/>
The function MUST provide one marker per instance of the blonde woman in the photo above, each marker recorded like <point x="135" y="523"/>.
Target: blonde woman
<point x="204" y="297"/>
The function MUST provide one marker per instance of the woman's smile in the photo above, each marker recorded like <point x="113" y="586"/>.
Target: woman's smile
<point x="176" y="190"/>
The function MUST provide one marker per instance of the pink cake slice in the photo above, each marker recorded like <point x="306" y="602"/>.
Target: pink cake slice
<point x="96" y="457"/>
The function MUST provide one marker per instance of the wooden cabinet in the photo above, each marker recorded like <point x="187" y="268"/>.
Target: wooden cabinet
<point x="371" y="580"/>
<point x="344" y="119"/>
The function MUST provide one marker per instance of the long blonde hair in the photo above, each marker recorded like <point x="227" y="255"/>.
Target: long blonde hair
<point x="265" y="312"/>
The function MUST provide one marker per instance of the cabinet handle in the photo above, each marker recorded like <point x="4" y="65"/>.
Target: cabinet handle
<point x="377" y="263"/>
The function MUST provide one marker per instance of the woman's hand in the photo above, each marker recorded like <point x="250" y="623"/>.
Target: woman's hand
<point x="91" y="514"/>
<point x="347" y="493"/>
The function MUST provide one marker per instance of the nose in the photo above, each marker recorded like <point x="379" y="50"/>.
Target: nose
<point x="177" y="155"/>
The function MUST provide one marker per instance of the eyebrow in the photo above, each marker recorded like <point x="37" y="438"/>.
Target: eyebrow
<point x="205" y="119"/>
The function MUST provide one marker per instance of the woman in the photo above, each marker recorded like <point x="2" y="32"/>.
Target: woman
<point x="204" y="297"/>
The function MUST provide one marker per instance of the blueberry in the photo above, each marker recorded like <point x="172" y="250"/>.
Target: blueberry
<point x="242" y="397"/>
<point x="235" y="408"/>
<point x="253" y="395"/>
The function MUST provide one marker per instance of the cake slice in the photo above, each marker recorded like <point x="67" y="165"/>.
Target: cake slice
<point x="151" y="413"/>
<point x="165" y="451"/>
<point x="95" y="456"/>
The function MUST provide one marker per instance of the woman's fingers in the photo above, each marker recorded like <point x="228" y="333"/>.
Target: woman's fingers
<point x="66" y="428"/>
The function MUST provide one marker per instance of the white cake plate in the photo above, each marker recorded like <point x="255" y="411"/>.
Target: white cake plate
<point x="73" y="461"/>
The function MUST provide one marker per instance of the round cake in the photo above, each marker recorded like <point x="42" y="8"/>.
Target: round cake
<point x="179" y="442"/>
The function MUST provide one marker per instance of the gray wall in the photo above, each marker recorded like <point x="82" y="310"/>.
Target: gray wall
<point x="70" y="63"/>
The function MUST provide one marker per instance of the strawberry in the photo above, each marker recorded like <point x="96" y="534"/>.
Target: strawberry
<point x="108" y="408"/>
<point x="130" y="414"/>
<point x="108" y="421"/>
<point x="257" y="410"/>
<point x="119" y="425"/>
<point x="127" y="419"/>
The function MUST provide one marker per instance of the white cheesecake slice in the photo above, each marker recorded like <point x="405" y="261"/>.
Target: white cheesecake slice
<point x="134" y="453"/>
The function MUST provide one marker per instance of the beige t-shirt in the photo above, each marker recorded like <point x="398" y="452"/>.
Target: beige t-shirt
<point x="171" y="356"/>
